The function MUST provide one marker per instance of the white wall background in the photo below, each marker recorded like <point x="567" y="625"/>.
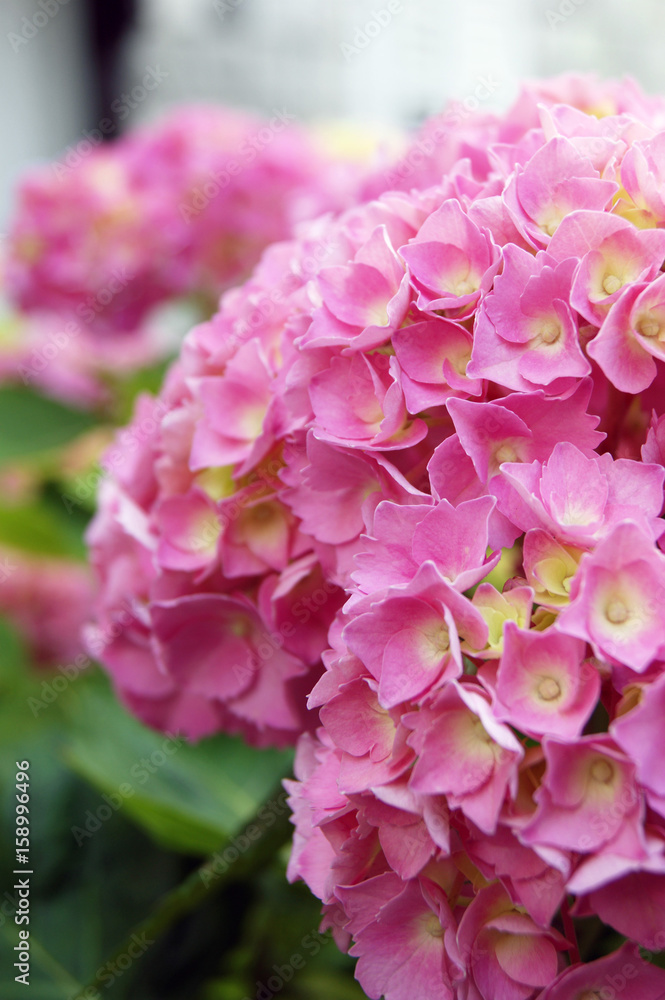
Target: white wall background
<point x="259" y="52"/>
<point x="44" y="87"/>
<point x="296" y="54"/>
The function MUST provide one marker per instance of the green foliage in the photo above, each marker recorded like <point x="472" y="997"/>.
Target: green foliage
<point x="125" y="391"/>
<point x="39" y="528"/>
<point x="31" y="424"/>
<point x="188" y="797"/>
<point x="133" y="833"/>
<point x="101" y="871"/>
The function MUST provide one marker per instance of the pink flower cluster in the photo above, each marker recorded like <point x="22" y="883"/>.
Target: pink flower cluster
<point x="48" y="601"/>
<point x="445" y="409"/>
<point x="67" y="360"/>
<point x="214" y="605"/>
<point x="183" y="207"/>
<point x="171" y="213"/>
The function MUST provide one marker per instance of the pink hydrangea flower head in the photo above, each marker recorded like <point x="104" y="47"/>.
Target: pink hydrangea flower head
<point x="402" y="502"/>
<point x="48" y="601"/>
<point x="172" y="214"/>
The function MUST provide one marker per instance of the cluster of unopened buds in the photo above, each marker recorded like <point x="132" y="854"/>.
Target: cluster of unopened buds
<point x="414" y="469"/>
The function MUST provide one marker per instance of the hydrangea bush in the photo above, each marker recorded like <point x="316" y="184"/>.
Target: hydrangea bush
<point x="176" y="211"/>
<point x="181" y="207"/>
<point x="415" y="468"/>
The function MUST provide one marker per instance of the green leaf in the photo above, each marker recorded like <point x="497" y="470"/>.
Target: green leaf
<point x="37" y="529"/>
<point x="43" y="982"/>
<point x="17" y="685"/>
<point x="190" y="798"/>
<point x="89" y="896"/>
<point x="126" y="390"/>
<point x="31" y="423"/>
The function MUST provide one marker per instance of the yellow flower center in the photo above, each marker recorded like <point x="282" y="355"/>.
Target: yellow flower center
<point x="550" y="333"/>
<point x="443" y="641"/>
<point x="240" y="627"/>
<point x="549" y="689"/>
<point x="439" y="640"/>
<point x="648" y="328"/>
<point x="479" y="732"/>
<point x="601" y="771"/>
<point x="617" y="612"/>
<point x="506" y="453"/>
<point x="460" y="362"/>
<point x="433" y="926"/>
<point x="263" y="512"/>
<point x="612" y="284"/>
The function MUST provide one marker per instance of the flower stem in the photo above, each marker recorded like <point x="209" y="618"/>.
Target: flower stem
<point x="570" y="933"/>
<point x="204" y="880"/>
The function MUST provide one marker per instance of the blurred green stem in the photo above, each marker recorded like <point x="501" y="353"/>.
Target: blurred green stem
<point x="210" y="877"/>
